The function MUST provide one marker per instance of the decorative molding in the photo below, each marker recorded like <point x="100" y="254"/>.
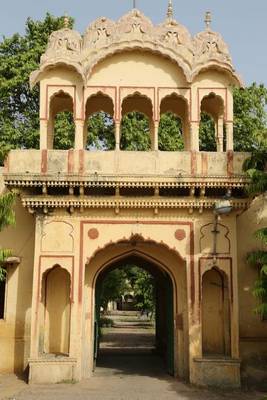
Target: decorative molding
<point x="125" y="203"/>
<point x="132" y="31"/>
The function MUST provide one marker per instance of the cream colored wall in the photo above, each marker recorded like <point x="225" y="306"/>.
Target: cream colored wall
<point x="15" y="328"/>
<point x="137" y="68"/>
<point x="253" y="331"/>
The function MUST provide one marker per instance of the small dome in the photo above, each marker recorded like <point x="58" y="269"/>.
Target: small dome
<point x="172" y="32"/>
<point x="99" y="33"/>
<point x="210" y="46"/>
<point x="63" y="43"/>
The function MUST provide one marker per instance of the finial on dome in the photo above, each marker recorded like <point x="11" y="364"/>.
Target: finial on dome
<point x="170" y="10"/>
<point x="134" y="4"/>
<point x="208" y="19"/>
<point x="66" y="21"/>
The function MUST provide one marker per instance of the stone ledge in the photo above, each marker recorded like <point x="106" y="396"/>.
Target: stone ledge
<point x="52" y="370"/>
<point x="217" y="372"/>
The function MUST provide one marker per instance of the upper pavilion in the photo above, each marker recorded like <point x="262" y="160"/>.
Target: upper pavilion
<point x="125" y="66"/>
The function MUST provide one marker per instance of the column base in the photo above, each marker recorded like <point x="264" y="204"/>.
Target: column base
<point x="217" y="372"/>
<point x="52" y="369"/>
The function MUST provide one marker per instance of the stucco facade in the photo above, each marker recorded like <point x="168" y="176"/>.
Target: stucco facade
<point x="81" y="211"/>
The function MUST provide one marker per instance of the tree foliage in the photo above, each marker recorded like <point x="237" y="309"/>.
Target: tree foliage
<point x="256" y="167"/>
<point x="170" y="133"/>
<point x="7" y="217"/>
<point x="19" y="105"/>
<point x="129" y="280"/>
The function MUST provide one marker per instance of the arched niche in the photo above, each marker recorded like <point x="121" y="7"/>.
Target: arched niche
<point x="56" y="300"/>
<point x="175" y="122"/>
<point x="61" y="121"/>
<point x="216" y="325"/>
<point x="212" y="111"/>
<point x="137" y="127"/>
<point x="99" y="127"/>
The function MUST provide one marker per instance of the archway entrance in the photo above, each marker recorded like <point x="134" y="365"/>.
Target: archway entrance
<point x="168" y="272"/>
<point x="147" y="329"/>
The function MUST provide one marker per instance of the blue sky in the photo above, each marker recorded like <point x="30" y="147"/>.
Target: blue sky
<point x="242" y="23"/>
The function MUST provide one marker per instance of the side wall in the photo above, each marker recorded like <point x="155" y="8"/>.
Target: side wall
<point x="15" y="327"/>
<point x="253" y="330"/>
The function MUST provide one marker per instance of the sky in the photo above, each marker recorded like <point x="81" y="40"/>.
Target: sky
<point x="242" y="23"/>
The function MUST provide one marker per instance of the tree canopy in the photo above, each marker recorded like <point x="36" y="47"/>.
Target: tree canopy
<point x="19" y="106"/>
<point x="7" y="217"/>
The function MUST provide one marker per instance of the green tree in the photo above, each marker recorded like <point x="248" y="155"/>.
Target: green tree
<point x="7" y="217"/>
<point x="250" y="117"/>
<point x="113" y="287"/>
<point x="101" y="132"/>
<point x="256" y="167"/>
<point x="19" y="105"/>
<point x="170" y="133"/>
<point x="135" y="133"/>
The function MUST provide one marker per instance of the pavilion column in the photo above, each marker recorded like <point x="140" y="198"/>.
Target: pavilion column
<point x="117" y="134"/>
<point x="229" y="136"/>
<point x="194" y="136"/>
<point x="220" y="135"/>
<point x="155" y="136"/>
<point x="79" y="134"/>
<point x="44" y="134"/>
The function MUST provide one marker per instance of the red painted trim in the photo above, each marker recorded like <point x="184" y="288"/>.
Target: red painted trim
<point x="102" y="89"/>
<point x="44" y="161"/>
<point x="115" y="222"/>
<point x="174" y="89"/>
<point x="212" y="89"/>
<point x="137" y="89"/>
<point x="47" y="102"/>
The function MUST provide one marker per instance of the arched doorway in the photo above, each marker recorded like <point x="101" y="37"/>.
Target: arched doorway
<point x="162" y="351"/>
<point x="171" y="322"/>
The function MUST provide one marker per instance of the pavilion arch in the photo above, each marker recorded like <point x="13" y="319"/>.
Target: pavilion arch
<point x="154" y="48"/>
<point x="215" y="310"/>
<point x="178" y="105"/>
<point x="142" y="104"/>
<point x="149" y="255"/>
<point x="59" y="102"/>
<point x="96" y="104"/>
<point x="213" y="105"/>
<point x="56" y="303"/>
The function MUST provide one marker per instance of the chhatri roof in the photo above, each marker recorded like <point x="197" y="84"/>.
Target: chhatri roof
<point x="105" y="37"/>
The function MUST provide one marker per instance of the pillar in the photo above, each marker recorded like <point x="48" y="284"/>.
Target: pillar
<point x="117" y="134"/>
<point x="219" y="136"/>
<point x="194" y="136"/>
<point x="229" y="136"/>
<point x="44" y="134"/>
<point x="155" y="136"/>
<point x="79" y="134"/>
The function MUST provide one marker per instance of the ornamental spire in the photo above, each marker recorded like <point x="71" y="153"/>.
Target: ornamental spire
<point x="208" y="19"/>
<point x="66" y="21"/>
<point x="170" y="10"/>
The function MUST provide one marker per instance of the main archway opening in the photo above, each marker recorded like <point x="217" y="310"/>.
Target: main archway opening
<point x="134" y="317"/>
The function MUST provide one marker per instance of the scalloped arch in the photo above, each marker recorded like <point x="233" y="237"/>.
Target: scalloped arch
<point x="35" y="76"/>
<point x="221" y="68"/>
<point x="146" y="46"/>
<point x="132" y="240"/>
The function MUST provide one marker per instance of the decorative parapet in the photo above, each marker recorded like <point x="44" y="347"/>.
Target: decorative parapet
<point x="134" y="30"/>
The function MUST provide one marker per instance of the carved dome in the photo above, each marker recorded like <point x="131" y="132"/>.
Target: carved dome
<point x="134" y="30"/>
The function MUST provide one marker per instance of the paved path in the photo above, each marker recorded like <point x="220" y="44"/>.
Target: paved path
<point x="122" y="373"/>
